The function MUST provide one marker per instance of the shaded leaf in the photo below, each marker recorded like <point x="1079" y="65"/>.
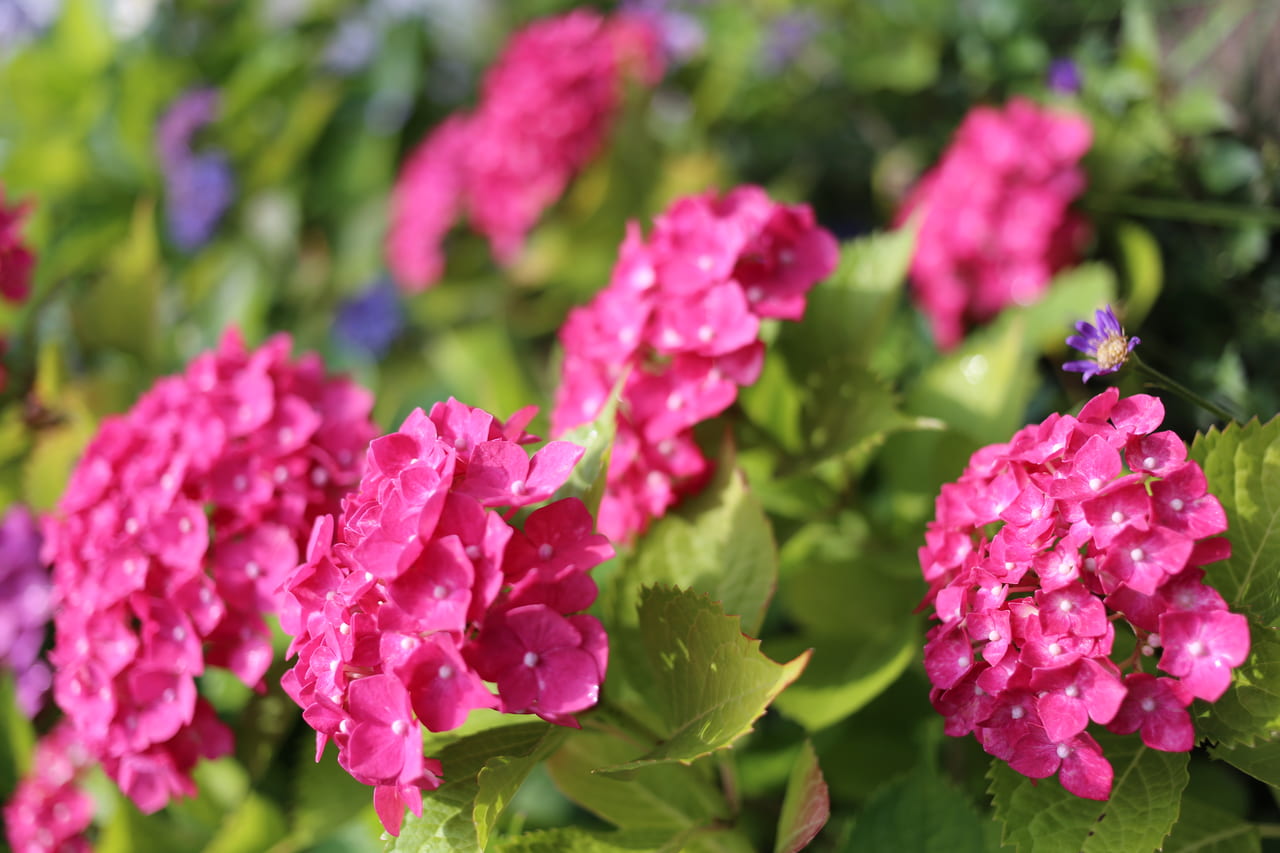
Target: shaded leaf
<point x="1202" y="828"/>
<point x="919" y="812"/>
<point x="805" y="806"/>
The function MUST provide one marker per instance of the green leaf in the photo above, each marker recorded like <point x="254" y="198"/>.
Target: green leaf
<point x="843" y="676"/>
<point x="670" y="797"/>
<point x="1242" y="467"/>
<point x="1261" y="761"/>
<point x="460" y="815"/>
<point x="1143" y="270"/>
<point x="1202" y="828"/>
<point x="719" y="542"/>
<point x="325" y="795"/>
<point x="575" y="840"/>
<point x="1042" y="817"/>
<point x="17" y="737"/>
<point x="805" y="806"/>
<point x="919" y="812"/>
<point x="256" y="825"/>
<point x="710" y="681"/>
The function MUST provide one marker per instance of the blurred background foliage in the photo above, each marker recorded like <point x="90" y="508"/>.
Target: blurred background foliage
<point x="857" y="419"/>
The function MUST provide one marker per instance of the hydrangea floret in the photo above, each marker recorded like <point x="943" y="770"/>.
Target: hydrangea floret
<point x="1048" y="545"/>
<point x="1106" y="344"/>
<point x="995" y="218"/>
<point x="547" y="106"/>
<point x="49" y="811"/>
<point x="423" y="594"/>
<point x="170" y="543"/>
<point x="16" y="258"/>
<point x="680" y="320"/>
<point x="25" y="607"/>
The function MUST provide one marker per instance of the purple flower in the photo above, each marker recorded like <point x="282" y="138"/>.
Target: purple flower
<point x="681" y="34"/>
<point x="25" y="607"/>
<point x="198" y="187"/>
<point x="788" y="38"/>
<point x="1106" y="344"/>
<point x="1064" y="76"/>
<point x="371" y="320"/>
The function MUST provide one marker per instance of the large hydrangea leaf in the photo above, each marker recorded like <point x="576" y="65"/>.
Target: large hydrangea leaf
<point x="483" y="772"/>
<point x="1242" y="466"/>
<point x="1202" y="828"/>
<point x="1042" y="817"/>
<point x="709" y="682"/>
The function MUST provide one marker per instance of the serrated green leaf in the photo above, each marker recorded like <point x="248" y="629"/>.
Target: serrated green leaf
<point x="710" y="681"/>
<point x="1242" y="467"/>
<point x="1042" y="817"/>
<point x="1202" y="828"/>
<point x="805" y="806"/>
<point x="449" y="821"/>
<point x="670" y="797"/>
<point x="719" y="542"/>
<point x="918" y="812"/>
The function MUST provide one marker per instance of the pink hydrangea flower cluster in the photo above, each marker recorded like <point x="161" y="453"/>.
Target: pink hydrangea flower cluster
<point x="680" y="320"/>
<point x="547" y="106"/>
<point x="424" y="592"/>
<point x="16" y="259"/>
<point x="995" y="219"/>
<point x="49" y="812"/>
<point x="178" y="526"/>
<point x="1037" y="552"/>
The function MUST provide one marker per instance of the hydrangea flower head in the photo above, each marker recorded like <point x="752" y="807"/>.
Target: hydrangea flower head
<point x="49" y="811"/>
<point x="422" y="594"/>
<point x="25" y="606"/>
<point x="996" y="223"/>
<point x="16" y="259"/>
<point x="1106" y="343"/>
<point x="171" y="540"/>
<point x="680" y="320"/>
<point x="1039" y="554"/>
<point x="548" y="104"/>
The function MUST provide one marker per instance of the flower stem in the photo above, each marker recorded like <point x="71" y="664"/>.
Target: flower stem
<point x="1181" y="390"/>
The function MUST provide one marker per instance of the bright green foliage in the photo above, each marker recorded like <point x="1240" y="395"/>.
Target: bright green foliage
<point x="919" y="812"/>
<point x="806" y="806"/>
<point x="574" y="840"/>
<point x="719" y="542"/>
<point x="709" y="681"/>
<point x="1242" y="466"/>
<point x="482" y="772"/>
<point x="849" y="595"/>
<point x="1203" y="828"/>
<point x="1041" y="817"/>
<point x="669" y="797"/>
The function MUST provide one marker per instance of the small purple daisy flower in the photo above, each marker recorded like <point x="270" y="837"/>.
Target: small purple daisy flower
<point x="1064" y="76"/>
<point x="1106" y="344"/>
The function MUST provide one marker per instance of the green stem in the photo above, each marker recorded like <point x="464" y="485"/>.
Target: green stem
<point x="1181" y="390"/>
<point x="1205" y="213"/>
<point x="1268" y="830"/>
